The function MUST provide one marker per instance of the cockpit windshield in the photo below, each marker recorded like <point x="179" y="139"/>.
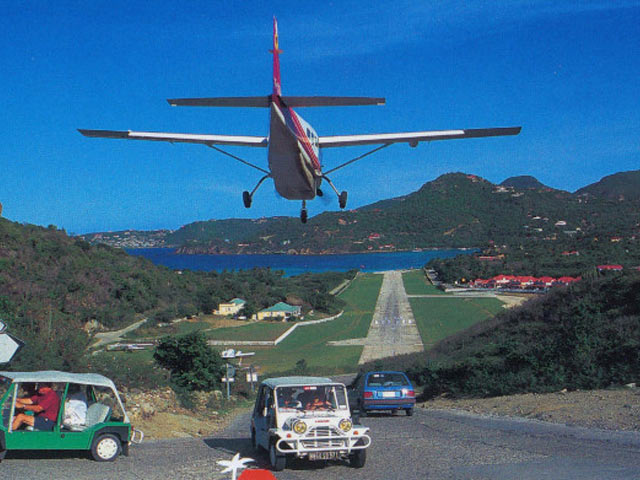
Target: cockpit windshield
<point x="312" y="398"/>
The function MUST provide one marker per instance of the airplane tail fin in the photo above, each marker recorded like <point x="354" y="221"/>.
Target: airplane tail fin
<point x="277" y="89"/>
<point x="276" y="96"/>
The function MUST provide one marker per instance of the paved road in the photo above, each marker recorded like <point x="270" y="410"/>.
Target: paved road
<point x="429" y="445"/>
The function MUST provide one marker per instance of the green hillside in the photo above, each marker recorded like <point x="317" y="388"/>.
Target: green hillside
<point x="622" y="185"/>
<point x="455" y="210"/>
<point x="52" y="286"/>
<point x="523" y="181"/>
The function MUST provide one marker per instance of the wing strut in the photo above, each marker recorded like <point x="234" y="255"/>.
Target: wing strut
<point x="238" y="159"/>
<point x="357" y="158"/>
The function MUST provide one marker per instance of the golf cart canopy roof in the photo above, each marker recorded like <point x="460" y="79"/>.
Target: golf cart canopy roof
<point x="54" y="376"/>
<point x="280" y="381"/>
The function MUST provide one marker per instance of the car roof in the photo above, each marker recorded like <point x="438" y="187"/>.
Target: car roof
<point x="385" y="371"/>
<point x="55" y="376"/>
<point x="279" y="381"/>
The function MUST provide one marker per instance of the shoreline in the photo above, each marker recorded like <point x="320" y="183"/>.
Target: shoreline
<point x="303" y="254"/>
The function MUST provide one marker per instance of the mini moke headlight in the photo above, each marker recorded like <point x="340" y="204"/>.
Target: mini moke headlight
<point x="345" y="425"/>
<point x="299" y="427"/>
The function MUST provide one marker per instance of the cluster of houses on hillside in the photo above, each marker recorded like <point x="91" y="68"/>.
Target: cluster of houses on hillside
<point x="526" y="282"/>
<point x="521" y="282"/>
<point x="280" y="310"/>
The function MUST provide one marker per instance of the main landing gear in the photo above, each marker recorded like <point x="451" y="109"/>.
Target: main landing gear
<point x="342" y="196"/>
<point x="248" y="197"/>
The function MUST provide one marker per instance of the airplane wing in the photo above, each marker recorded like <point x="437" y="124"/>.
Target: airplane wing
<point x="413" y="138"/>
<point x="240" y="140"/>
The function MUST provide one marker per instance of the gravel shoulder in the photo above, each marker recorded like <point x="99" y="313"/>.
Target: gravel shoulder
<point x="617" y="409"/>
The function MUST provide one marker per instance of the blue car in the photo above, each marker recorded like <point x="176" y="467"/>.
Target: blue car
<point x="375" y="391"/>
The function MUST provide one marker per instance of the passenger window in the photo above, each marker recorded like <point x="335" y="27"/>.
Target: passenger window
<point x="106" y="396"/>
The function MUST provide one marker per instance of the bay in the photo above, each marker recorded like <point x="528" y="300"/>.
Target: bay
<point x="296" y="264"/>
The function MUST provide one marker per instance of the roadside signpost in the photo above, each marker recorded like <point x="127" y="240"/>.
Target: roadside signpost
<point x="252" y="377"/>
<point x="231" y="370"/>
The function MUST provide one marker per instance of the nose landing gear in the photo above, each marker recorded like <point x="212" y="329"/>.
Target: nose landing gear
<point x="303" y="212"/>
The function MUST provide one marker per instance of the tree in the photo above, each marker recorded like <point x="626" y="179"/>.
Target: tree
<point x="193" y="364"/>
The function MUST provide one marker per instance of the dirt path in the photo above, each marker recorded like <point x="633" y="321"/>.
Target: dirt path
<point x="114" y="336"/>
<point x="605" y="409"/>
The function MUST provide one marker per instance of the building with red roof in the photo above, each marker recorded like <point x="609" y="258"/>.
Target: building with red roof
<point x="614" y="268"/>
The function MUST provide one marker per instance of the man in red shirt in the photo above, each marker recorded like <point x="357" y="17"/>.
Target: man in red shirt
<point x="45" y="404"/>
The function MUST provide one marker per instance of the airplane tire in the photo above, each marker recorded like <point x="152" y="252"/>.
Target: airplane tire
<point x="342" y="199"/>
<point x="303" y="216"/>
<point x="246" y="199"/>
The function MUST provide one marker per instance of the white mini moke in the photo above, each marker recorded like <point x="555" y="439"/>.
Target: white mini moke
<point x="306" y="417"/>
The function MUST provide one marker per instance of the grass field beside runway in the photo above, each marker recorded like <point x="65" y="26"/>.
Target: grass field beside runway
<point x="259" y="331"/>
<point x="437" y="318"/>
<point x="310" y="342"/>
<point x="416" y="283"/>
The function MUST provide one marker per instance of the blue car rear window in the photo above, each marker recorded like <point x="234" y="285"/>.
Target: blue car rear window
<point x="387" y="380"/>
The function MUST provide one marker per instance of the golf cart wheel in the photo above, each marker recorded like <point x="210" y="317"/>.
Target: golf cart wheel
<point x="106" y="448"/>
<point x="276" y="460"/>
<point x="358" y="458"/>
<point x="409" y="412"/>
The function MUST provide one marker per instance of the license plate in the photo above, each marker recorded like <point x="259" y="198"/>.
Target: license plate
<point x="388" y="394"/>
<point x="323" y="455"/>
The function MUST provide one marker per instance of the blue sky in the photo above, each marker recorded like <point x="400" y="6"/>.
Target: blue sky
<point x="566" y="71"/>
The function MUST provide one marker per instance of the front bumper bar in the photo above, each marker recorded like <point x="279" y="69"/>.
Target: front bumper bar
<point x="304" y="445"/>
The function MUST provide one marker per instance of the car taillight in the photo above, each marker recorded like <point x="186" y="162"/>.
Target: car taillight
<point x="411" y="393"/>
<point x="368" y="394"/>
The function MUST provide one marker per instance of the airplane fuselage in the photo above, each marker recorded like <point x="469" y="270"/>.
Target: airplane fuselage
<point x="294" y="154"/>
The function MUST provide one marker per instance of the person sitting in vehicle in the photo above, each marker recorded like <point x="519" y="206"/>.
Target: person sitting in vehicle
<point x="286" y="400"/>
<point x="45" y="404"/>
<point x="318" y="403"/>
<point x="75" y="407"/>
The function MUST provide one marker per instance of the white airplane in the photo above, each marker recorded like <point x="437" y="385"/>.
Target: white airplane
<point x="293" y="145"/>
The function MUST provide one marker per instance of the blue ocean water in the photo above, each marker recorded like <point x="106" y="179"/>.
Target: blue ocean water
<point x="295" y="264"/>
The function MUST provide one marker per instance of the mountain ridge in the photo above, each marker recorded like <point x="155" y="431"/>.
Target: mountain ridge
<point x="454" y="210"/>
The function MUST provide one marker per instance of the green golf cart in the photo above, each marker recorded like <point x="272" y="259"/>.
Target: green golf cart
<point x="105" y="430"/>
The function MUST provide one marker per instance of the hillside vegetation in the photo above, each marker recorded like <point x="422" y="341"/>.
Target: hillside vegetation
<point x="455" y="210"/>
<point x="52" y="286"/>
<point x="619" y="186"/>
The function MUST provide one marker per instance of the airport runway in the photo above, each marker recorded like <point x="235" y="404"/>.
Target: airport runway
<point x="393" y="329"/>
